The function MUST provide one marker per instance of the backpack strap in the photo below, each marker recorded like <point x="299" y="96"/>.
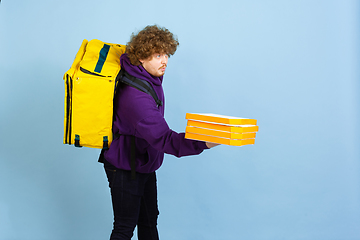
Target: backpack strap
<point x="139" y="84"/>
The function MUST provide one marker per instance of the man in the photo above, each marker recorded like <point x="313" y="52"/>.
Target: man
<point x="137" y="114"/>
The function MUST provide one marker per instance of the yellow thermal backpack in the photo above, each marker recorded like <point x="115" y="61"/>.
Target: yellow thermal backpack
<point x="90" y="87"/>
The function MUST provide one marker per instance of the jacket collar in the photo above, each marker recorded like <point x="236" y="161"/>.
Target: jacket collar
<point x="138" y="71"/>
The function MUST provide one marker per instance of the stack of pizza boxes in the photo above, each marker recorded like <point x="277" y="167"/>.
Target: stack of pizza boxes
<point x="221" y="129"/>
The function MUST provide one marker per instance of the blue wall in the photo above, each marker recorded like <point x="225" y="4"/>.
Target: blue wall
<point x="292" y="65"/>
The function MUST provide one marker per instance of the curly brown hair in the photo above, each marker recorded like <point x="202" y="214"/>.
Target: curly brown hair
<point x="150" y="40"/>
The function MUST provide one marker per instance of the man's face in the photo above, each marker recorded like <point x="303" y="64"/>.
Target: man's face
<point x="156" y="64"/>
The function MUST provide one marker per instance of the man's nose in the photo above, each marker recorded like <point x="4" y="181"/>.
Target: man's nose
<point x="164" y="60"/>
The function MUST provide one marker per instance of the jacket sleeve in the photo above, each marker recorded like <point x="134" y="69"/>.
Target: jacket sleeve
<point x="148" y="123"/>
<point x="156" y="132"/>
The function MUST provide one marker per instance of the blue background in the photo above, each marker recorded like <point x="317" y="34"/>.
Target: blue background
<point x="292" y="65"/>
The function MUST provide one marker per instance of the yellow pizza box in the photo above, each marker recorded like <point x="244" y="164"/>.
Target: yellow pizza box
<point x="217" y="133"/>
<point x="216" y="118"/>
<point x="219" y="140"/>
<point x="224" y="127"/>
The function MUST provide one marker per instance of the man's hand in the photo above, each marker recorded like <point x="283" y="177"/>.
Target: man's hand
<point x="211" y="145"/>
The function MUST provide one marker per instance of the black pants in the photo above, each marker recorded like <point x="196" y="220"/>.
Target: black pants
<point x="134" y="204"/>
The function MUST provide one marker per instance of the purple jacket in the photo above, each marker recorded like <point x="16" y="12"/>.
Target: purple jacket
<point x="136" y="114"/>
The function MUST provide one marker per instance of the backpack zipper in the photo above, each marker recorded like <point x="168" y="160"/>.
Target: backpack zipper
<point x="91" y="73"/>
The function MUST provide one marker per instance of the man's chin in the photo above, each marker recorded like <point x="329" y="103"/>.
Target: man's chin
<point x="160" y="74"/>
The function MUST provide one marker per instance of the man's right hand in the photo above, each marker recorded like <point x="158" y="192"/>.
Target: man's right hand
<point x="211" y="145"/>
